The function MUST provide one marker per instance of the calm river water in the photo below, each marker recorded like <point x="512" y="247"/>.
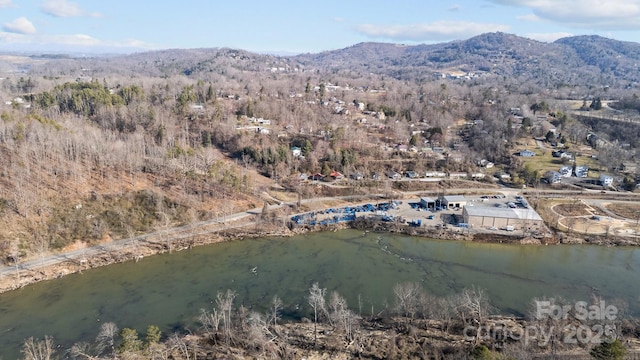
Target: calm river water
<point x="168" y="290"/>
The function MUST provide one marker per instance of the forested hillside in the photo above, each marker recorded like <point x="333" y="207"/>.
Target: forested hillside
<point x="102" y="148"/>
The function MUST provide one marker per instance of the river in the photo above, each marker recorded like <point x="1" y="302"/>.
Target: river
<point x="169" y="290"/>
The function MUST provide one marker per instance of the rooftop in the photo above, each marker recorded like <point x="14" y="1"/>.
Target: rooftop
<point x="503" y="212"/>
<point x="454" y="198"/>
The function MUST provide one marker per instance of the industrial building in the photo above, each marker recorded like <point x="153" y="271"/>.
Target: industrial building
<point x="502" y="218"/>
<point x="452" y="201"/>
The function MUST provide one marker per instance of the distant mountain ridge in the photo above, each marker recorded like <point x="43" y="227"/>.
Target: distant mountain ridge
<point x="589" y="61"/>
<point x="578" y="59"/>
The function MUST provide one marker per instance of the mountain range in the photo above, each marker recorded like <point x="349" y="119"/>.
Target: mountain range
<point x="590" y="61"/>
<point x="579" y="60"/>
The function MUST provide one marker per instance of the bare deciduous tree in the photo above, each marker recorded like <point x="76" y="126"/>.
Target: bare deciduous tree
<point x="318" y="304"/>
<point x="37" y="349"/>
<point x="224" y="301"/>
<point x="407" y="298"/>
<point x="106" y="339"/>
<point x="276" y="307"/>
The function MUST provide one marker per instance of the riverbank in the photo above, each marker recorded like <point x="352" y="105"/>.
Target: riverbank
<point x="108" y="253"/>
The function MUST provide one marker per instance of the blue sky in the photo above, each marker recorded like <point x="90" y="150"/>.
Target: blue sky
<point x="288" y="26"/>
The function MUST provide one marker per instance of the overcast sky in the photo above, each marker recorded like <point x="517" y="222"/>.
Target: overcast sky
<point x="300" y="26"/>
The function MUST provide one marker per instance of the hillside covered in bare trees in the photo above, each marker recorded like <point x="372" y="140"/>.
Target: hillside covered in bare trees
<point x="101" y="148"/>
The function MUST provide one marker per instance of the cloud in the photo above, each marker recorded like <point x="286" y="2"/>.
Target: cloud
<point x="5" y="3"/>
<point x="64" y="8"/>
<point x="529" y="17"/>
<point x="72" y="42"/>
<point x="609" y="15"/>
<point x="19" y="26"/>
<point x="454" y="8"/>
<point x="548" y="37"/>
<point x="436" y="31"/>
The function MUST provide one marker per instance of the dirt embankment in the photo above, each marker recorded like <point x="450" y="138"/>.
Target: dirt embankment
<point x="454" y="233"/>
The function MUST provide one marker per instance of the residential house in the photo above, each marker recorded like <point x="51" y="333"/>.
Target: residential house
<point x="486" y="163"/>
<point x="296" y="151"/>
<point x="335" y="175"/>
<point x="412" y="174"/>
<point x="526" y="153"/>
<point x="393" y="175"/>
<point x="566" y="171"/>
<point x="458" y="175"/>
<point x="435" y="174"/>
<point x="582" y="171"/>
<point x="478" y="175"/>
<point x="317" y="177"/>
<point x="553" y="177"/>
<point x="606" y="180"/>
<point x="356" y="176"/>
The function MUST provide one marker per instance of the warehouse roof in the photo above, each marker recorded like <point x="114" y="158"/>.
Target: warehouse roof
<point x="454" y="198"/>
<point x="503" y="212"/>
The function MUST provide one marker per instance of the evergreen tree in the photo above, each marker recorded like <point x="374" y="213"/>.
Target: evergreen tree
<point x="609" y="351"/>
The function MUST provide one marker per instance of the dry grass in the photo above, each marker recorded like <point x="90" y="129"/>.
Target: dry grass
<point x="626" y="210"/>
<point x="575" y="208"/>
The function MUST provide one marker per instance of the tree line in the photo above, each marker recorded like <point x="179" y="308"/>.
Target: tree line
<point x="467" y="318"/>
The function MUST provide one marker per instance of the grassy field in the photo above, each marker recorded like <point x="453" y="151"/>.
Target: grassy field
<point x="544" y="160"/>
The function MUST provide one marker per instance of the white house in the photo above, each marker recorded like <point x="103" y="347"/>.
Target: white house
<point x="437" y="174"/>
<point x="296" y="151"/>
<point x="553" y="177"/>
<point x="566" y="171"/>
<point x="457" y="175"/>
<point x="582" y="171"/>
<point x="606" y="180"/>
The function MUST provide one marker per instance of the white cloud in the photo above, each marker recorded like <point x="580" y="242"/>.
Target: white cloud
<point x="612" y="14"/>
<point x="20" y="25"/>
<point x="64" y="8"/>
<point x="529" y="17"/>
<point x="5" y="3"/>
<point x="548" y="37"/>
<point x="454" y="8"/>
<point x="436" y="31"/>
<point x="72" y="42"/>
